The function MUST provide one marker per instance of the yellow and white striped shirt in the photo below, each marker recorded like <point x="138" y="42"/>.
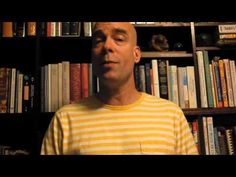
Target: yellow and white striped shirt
<point x="151" y="125"/>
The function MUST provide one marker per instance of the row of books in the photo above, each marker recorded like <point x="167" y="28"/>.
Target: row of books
<point x="227" y="35"/>
<point x="213" y="140"/>
<point x="160" y="79"/>
<point x="217" y="81"/>
<point x="45" y="29"/>
<point x="64" y="83"/>
<point x="65" y="29"/>
<point x="8" y="150"/>
<point x="16" y="91"/>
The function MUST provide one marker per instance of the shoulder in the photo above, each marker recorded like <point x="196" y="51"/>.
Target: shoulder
<point x="84" y="104"/>
<point x="159" y="101"/>
<point x="161" y="104"/>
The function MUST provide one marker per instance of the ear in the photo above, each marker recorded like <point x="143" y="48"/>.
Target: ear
<point x="137" y="54"/>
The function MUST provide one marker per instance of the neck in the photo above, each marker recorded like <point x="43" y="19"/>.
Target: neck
<point x="118" y="96"/>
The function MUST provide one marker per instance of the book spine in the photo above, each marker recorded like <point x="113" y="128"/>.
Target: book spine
<point x="202" y="79"/>
<point x="75" y="82"/>
<point x="84" y="80"/>
<point x="191" y="87"/>
<point x="148" y="78"/>
<point x="223" y="83"/>
<point x="163" y="80"/>
<point x="208" y="79"/>
<point x="228" y="82"/>
<point x="3" y="90"/>
<point x="155" y="78"/>
<point x="66" y="82"/>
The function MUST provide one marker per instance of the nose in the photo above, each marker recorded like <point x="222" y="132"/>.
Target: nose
<point x="109" y="44"/>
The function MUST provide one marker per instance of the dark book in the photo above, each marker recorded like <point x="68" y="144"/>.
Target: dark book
<point x="3" y="90"/>
<point x="42" y="29"/>
<point x="148" y="78"/>
<point x="1" y="28"/>
<point x="136" y="77"/>
<point x="163" y="80"/>
<point x="19" y="29"/>
<point x="201" y="140"/>
<point x="75" y="28"/>
<point x="32" y="92"/>
<point x="142" y="79"/>
<point x="222" y="140"/>
<point x="9" y="89"/>
<point x="65" y="28"/>
<point x="26" y="93"/>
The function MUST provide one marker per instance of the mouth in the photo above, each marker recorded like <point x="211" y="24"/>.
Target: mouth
<point x="108" y="63"/>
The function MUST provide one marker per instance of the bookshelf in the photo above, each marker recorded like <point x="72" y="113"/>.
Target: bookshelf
<point x="28" y="54"/>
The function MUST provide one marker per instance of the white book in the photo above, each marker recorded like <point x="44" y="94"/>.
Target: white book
<point x="210" y="130"/>
<point x="53" y="29"/>
<point x="58" y="29"/>
<point x="228" y="82"/>
<point x="155" y="78"/>
<point x="205" y="132"/>
<point x="140" y="23"/>
<point x="88" y="29"/>
<point x="233" y="76"/>
<point x="228" y="28"/>
<point x="202" y="79"/>
<point x="191" y="87"/>
<point x="13" y="90"/>
<point x="98" y="88"/>
<point x="16" y="91"/>
<point x="174" y="92"/>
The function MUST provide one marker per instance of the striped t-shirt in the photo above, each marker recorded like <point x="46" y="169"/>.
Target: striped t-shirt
<point x="150" y="125"/>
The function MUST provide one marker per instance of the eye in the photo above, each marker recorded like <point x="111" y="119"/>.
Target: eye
<point x="97" y="40"/>
<point x="120" y="38"/>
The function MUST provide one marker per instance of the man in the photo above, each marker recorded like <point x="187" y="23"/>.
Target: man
<point x="118" y="119"/>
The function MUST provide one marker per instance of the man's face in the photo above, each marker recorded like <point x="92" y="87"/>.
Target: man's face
<point x="114" y="51"/>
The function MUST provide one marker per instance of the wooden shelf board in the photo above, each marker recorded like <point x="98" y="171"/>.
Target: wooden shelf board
<point x="169" y="54"/>
<point x="209" y="111"/>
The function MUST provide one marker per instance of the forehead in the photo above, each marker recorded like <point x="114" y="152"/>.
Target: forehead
<point x="112" y="26"/>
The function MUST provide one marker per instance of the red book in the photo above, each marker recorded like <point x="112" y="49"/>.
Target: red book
<point x="85" y="80"/>
<point x="75" y="82"/>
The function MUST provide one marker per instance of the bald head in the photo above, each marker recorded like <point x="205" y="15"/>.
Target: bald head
<point x="125" y="26"/>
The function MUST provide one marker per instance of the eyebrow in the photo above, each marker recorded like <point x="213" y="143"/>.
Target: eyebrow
<point x="114" y="31"/>
<point x="120" y="30"/>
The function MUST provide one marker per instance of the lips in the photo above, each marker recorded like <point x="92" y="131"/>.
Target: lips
<point x="108" y="63"/>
